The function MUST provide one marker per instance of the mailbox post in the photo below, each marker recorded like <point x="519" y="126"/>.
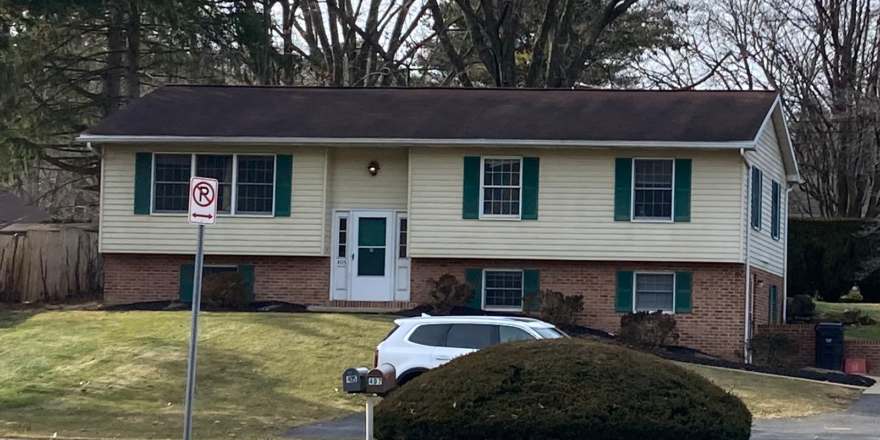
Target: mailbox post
<point x="380" y="380"/>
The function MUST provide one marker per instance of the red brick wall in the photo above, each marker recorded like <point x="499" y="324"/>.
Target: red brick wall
<point x="762" y="295"/>
<point x="804" y="334"/>
<point x="130" y="278"/>
<point x="714" y="326"/>
<point x="868" y="350"/>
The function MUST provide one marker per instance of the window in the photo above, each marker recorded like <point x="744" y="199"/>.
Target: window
<point x="246" y="182"/>
<point x="210" y="270"/>
<point x="501" y="187"/>
<point x="775" y="216"/>
<point x="503" y="289"/>
<point x="401" y="245"/>
<point x="474" y="336"/>
<point x="171" y="173"/>
<point x="551" y="333"/>
<point x="774" y="315"/>
<point x="654" y="291"/>
<point x="430" y="335"/>
<point x="507" y="333"/>
<point x="652" y="188"/>
<point x="218" y="167"/>
<point x="343" y="237"/>
<point x="256" y="177"/>
<point x="757" y="188"/>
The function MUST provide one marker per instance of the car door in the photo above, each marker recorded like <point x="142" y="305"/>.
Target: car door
<point x="463" y="339"/>
<point x="423" y="340"/>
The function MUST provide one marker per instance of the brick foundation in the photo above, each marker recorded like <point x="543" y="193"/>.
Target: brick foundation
<point x="762" y="280"/>
<point x="715" y="324"/>
<point x="131" y="278"/>
<point x="804" y="334"/>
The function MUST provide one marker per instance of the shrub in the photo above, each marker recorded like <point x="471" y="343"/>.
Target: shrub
<point x="802" y="307"/>
<point x="447" y="293"/>
<point x="554" y="307"/>
<point x="854" y="296"/>
<point x="774" y="349"/>
<point x="564" y="389"/>
<point x="647" y="330"/>
<point x="851" y="316"/>
<point x="225" y="290"/>
<point x="867" y="320"/>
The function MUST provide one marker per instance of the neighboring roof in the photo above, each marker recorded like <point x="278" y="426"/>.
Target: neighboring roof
<point x="46" y="227"/>
<point x="440" y="114"/>
<point x="14" y="209"/>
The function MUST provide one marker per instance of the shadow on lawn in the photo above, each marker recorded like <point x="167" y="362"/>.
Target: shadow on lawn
<point x="12" y="318"/>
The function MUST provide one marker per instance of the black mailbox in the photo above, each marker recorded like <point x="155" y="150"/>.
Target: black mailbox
<point x="829" y="346"/>
<point x="381" y="379"/>
<point x="354" y="380"/>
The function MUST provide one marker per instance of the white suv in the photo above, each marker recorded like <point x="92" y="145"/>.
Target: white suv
<point x="416" y="345"/>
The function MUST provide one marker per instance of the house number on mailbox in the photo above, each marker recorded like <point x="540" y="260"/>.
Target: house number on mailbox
<point x="374" y="381"/>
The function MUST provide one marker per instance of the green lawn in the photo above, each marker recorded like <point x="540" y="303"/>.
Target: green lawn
<point x="835" y="311"/>
<point x="121" y="374"/>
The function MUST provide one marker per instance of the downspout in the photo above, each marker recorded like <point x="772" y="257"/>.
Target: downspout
<point x="785" y="260"/>
<point x="748" y="231"/>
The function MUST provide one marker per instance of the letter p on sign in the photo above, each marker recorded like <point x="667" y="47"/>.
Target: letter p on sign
<point x="202" y="201"/>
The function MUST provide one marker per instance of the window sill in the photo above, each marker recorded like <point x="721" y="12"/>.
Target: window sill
<point x="652" y="220"/>
<point x="665" y="312"/>
<point x="506" y="218"/>
<point x="502" y="309"/>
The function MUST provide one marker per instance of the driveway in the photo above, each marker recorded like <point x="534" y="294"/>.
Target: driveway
<point x="861" y="421"/>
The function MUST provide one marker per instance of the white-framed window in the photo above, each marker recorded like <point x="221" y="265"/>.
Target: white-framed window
<point x="653" y="291"/>
<point x="246" y="182"/>
<point x="403" y="234"/>
<point x="502" y="289"/>
<point x="501" y="187"/>
<point x="653" y="189"/>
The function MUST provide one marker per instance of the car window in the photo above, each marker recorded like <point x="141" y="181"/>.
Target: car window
<point x="551" y="333"/>
<point x="474" y="336"/>
<point x="507" y="333"/>
<point x="433" y="335"/>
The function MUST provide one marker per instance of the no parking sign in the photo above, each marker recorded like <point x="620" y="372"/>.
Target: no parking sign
<point x="202" y="201"/>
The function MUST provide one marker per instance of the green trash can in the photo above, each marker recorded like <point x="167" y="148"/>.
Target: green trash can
<point x="829" y="346"/>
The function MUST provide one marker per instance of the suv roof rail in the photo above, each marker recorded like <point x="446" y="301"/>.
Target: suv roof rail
<point x="425" y="315"/>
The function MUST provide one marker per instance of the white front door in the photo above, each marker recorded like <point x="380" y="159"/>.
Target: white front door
<point x="372" y="255"/>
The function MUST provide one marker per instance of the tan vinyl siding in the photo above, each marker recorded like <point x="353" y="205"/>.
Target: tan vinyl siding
<point x="352" y="186"/>
<point x="576" y="210"/>
<point x="767" y="253"/>
<point x="299" y="234"/>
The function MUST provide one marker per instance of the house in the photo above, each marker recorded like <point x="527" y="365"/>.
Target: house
<point x="639" y="200"/>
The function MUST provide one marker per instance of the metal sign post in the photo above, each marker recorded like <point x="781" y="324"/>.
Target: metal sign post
<point x="371" y="403"/>
<point x="202" y="211"/>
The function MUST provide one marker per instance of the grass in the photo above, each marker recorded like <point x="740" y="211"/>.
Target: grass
<point x="771" y="397"/>
<point x="834" y="311"/>
<point x="121" y="374"/>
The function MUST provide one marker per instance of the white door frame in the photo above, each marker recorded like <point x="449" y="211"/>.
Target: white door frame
<point x="401" y="258"/>
<point x="340" y="264"/>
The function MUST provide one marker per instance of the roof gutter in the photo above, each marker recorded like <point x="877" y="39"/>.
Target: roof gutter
<point x="406" y="142"/>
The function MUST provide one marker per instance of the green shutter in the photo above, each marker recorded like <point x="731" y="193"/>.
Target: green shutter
<point x="143" y="182"/>
<point x="283" y="187"/>
<point x="187" y="276"/>
<point x="683" y="292"/>
<point x="470" y="202"/>
<point x="624" y="302"/>
<point x="622" y="189"/>
<point x="773" y="305"/>
<point x="474" y="277"/>
<point x="532" y="286"/>
<point x="682" y="190"/>
<point x="531" y="168"/>
<point x="247" y="274"/>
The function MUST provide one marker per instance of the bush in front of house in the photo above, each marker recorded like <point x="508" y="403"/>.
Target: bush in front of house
<point x="554" y="307"/>
<point x="802" y="307"/>
<point x="647" y="330"/>
<point x="447" y="293"/>
<point x="225" y="291"/>
<point x="564" y="389"/>
<point x="774" y="349"/>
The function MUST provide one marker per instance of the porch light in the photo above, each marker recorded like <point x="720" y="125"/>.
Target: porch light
<point x="373" y="168"/>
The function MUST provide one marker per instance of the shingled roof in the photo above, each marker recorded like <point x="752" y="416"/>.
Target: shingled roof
<point x="228" y="112"/>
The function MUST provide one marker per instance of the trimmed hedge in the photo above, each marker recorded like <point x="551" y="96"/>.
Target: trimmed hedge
<point x="561" y="389"/>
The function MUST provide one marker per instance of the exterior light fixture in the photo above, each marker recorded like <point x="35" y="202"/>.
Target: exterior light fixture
<point x="373" y="168"/>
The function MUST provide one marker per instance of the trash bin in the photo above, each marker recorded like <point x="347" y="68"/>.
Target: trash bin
<point x="829" y="346"/>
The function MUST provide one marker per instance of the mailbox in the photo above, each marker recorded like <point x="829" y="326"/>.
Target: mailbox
<point x="354" y="380"/>
<point x="381" y="379"/>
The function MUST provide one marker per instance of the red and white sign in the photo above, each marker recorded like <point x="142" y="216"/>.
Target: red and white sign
<point x="202" y="201"/>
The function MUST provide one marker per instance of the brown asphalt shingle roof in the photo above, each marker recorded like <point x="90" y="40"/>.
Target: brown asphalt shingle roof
<point x="443" y="114"/>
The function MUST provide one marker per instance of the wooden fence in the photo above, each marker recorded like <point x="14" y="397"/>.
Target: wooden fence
<point x="48" y="263"/>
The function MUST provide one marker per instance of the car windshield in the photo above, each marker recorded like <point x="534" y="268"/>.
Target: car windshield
<point x="550" y="333"/>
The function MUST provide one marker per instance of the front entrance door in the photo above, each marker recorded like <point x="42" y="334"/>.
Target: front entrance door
<point x="372" y="255"/>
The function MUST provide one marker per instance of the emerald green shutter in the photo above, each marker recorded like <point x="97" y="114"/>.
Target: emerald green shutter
<point x="682" y="190"/>
<point x="773" y="305"/>
<point x="187" y="276"/>
<point x="247" y="275"/>
<point x="530" y="170"/>
<point x="622" y="189"/>
<point x="532" y="285"/>
<point x="283" y="186"/>
<point x="624" y="302"/>
<point x="470" y="202"/>
<point x="683" y="292"/>
<point x="143" y="182"/>
<point x="474" y="277"/>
